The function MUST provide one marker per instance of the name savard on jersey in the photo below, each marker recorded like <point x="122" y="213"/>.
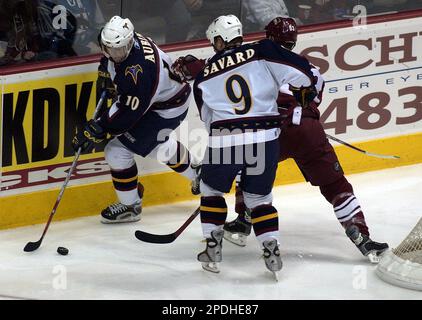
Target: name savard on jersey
<point x="260" y="50"/>
<point x="229" y="61"/>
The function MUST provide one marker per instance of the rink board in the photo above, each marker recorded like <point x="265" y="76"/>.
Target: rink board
<point x="372" y="98"/>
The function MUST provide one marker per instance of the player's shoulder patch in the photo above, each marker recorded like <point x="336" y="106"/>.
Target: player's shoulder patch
<point x="132" y="72"/>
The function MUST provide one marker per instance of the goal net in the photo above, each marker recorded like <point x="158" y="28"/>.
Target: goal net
<point x="402" y="266"/>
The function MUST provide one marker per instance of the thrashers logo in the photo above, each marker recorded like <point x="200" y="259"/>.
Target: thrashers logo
<point x="133" y="71"/>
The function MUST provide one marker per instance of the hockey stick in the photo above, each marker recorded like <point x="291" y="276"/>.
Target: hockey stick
<point x="166" y="238"/>
<point x="376" y="155"/>
<point x="32" y="246"/>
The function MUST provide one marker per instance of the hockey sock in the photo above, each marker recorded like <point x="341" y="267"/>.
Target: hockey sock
<point x="126" y="185"/>
<point x="265" y="223"/>
<point x="180" y="162"/>
<point x="358" y="220"/>
<point x="213" y="214"/>
<point x="346" y="206"/>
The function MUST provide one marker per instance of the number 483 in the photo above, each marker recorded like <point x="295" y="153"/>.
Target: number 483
<point x="375" y="103"/>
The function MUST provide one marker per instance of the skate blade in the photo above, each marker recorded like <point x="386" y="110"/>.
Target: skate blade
<point x="127" y="220"/>
<point x="275" y="275"/>
<point x="211" y="267"/>
<point x="235" y="238"/>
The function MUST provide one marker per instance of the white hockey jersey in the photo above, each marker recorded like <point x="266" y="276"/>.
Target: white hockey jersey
<point x="237" y="91"/>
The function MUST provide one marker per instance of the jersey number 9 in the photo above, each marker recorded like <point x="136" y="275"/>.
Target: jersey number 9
<point x="245" y="94"/>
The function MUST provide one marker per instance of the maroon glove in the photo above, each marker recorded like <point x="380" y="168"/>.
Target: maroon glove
<point x="188" y="67"/>
<point x="286" y="100"/>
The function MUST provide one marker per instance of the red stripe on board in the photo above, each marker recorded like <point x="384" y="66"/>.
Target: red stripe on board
<point x="26" y="177"/>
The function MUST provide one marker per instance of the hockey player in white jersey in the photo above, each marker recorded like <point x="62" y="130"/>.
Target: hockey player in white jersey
<point x="151" y="101"/>
<point x="236" y="95"/>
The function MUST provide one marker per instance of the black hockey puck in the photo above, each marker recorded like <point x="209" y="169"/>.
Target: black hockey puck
<point x="63" y="251"/>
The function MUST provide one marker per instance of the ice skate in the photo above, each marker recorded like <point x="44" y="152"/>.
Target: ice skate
<point x="238" y="230"/>
<point x="272" y="257"/>
<point x="366" y="246"/>
<point x="120" y="213"/>
<point x="212" y="253"/>
<point x="195" y="183"/>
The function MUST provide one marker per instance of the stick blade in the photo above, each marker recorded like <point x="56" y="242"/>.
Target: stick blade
<point x="155" y="238"/>
<point x="382" y="156"/>
<point x="32" y="246"/>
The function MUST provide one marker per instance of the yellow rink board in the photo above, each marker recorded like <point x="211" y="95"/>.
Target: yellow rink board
<point x="169" y="187"/>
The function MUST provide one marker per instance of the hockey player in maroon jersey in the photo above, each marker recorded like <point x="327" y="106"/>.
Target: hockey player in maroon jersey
<point x="303" y="139"/>
<point x="151" y="102"/>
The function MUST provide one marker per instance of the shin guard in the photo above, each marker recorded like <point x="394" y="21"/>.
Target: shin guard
<point x="346" y="206"/>
<point x="213" y="214"/>
<point x="265" y="223"/>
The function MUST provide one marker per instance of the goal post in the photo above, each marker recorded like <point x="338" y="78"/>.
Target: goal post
<point x="402" y="266"/>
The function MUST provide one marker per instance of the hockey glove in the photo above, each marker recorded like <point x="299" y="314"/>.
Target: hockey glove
<point x="187" y="68"/>
<point x="104" y="82"/>
<point x="286" y="101"/>
<point x="90" y="134"/>
<point x="304" y="95"/>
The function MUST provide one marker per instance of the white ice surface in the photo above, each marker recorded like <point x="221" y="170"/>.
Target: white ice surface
<point x="108" y="262"/>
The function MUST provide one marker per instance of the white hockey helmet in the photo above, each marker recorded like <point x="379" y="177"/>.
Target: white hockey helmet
<point x="227" y="27"/>
<point x="117" y="38"/>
